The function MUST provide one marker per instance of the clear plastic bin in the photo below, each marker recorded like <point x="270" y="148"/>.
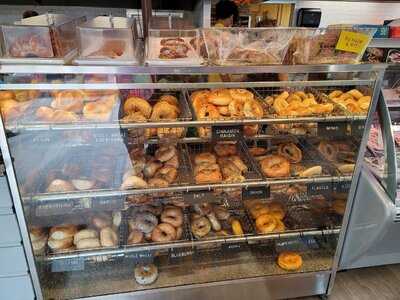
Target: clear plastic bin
<point x="174" y="47"/>
<point x="318" y="46"/>
<point x="107" y="39"/>
<point x="43" y="36"/>
<point x="244" y="46"/>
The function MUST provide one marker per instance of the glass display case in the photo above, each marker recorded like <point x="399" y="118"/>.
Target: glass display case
<point x="182" y="186"/>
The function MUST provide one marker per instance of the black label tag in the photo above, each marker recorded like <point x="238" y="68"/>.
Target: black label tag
<point x="319" y="188"/>
<point x="68" y="264"/>
<point x="258" y="192"/>
<point x="234" y="132"/>
<point x="108" y="203"/>
<point x="199" y="197"/>
<point x="332" y="129"/>
<point x="232" y="247"/>
<point x="141" y="257"/>
<point x="51" y="208"/>
<point x="357" y="128"/>
<point x="342" y="187"/>
<point x="177" y="254"/>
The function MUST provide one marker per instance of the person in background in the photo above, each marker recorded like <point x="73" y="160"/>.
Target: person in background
<point x="29" y="13"/>
<point x="226" y="13"/>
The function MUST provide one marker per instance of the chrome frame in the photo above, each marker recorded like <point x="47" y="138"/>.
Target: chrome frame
<point x="356" y="176"/>
<point x="183" y="188"/>
<point x="19" y="211"/>
<point x="389" y="149"/>
<point x="32" y="69"/>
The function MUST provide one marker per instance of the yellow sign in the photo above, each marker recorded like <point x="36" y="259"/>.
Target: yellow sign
<point x="352" y="41"/>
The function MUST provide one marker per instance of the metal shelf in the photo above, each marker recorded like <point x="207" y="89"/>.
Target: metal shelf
<point x="160" y="70"/>
<point x="184" y="188"/>
<point x="181" y="244"/>
<point x="385" y="43"/>
<point x="193" y="123"/>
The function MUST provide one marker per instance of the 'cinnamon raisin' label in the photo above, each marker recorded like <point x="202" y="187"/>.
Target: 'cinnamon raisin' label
<point x="223" y="133"/>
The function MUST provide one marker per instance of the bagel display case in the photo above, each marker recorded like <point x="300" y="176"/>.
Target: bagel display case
<point x="119" y="191"/>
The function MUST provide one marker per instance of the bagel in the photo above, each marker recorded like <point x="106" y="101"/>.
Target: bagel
<point x="208" y="111"/>
<point x="137" y="104"/>
<point x="236" y="108"/>
<point x="97" y="111"/>
<point x="219" y="97"/>
<point x="253" y="109"/>
<point x="291" y="152"/>
<point x="241" y="94"/>
<point x="69" y="100"/>
<point x="169" y="99"/>
<point x="164" y="110"/>
<point x="290" y="261"/>
<point x="275" y="166"/>
<point x="266" y="223"/>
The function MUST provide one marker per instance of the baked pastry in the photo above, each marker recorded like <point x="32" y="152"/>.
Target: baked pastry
<point x="290" y="261"/>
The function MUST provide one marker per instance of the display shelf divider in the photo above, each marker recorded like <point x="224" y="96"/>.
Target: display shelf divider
<point x="182" y="85"/>
<point x="164" y="70"/>
<point x="194" y="123"/>
<point x="129" y="249"/>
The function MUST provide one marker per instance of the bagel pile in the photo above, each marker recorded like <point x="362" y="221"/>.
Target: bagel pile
<point x="226" y="166"/>
<point x="145" y="171"/>
<point x="268" y="217"/>
<point x="224" y="104"/>
<point x="210" y="219"/>
<point x="155" y="223"/>
<point x="13" y="104"/>
<point x="101" y="232"/>
<point x="77" y="105"/>
<point x="283" y="162"/>
<point x="353" y="100"/>
<point x="297" y="104"/>
<point x="137" y="109"/>
<point x="340" y="154"/>
<point x="73" y="176"/>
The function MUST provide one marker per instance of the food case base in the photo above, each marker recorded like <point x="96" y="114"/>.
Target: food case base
<point x="147" y="190"/>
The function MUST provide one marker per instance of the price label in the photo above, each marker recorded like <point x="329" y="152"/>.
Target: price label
<point x="234" y="132"/>
<point x="342" y="187"/>
<point x="68" y="264"/>
<point x="108" y="203"/>
<point x="232" y="247"/>
<point x="199" y="197"/>
<point x="52" y="208"/>
<point x="258" y="192"/>
<point x="310" y="242"/>
<point x="352" y="41"/>
<point x="357" y="128"/>
<point x="332" y="129"/>
<point x="177" y="254"/>
<point x="142" y="257"/>
<point x="319" y="188"/>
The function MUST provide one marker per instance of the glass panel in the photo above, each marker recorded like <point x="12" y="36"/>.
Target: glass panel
<point x="127" y="189"/>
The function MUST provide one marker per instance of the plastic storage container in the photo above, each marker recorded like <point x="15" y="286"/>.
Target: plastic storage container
<point x="174" y="47"/>
<point x="107" y="40"/>
<point x="243" y="46"/>
<point x="50" y="36"/>
<point x="320" y="46"/>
